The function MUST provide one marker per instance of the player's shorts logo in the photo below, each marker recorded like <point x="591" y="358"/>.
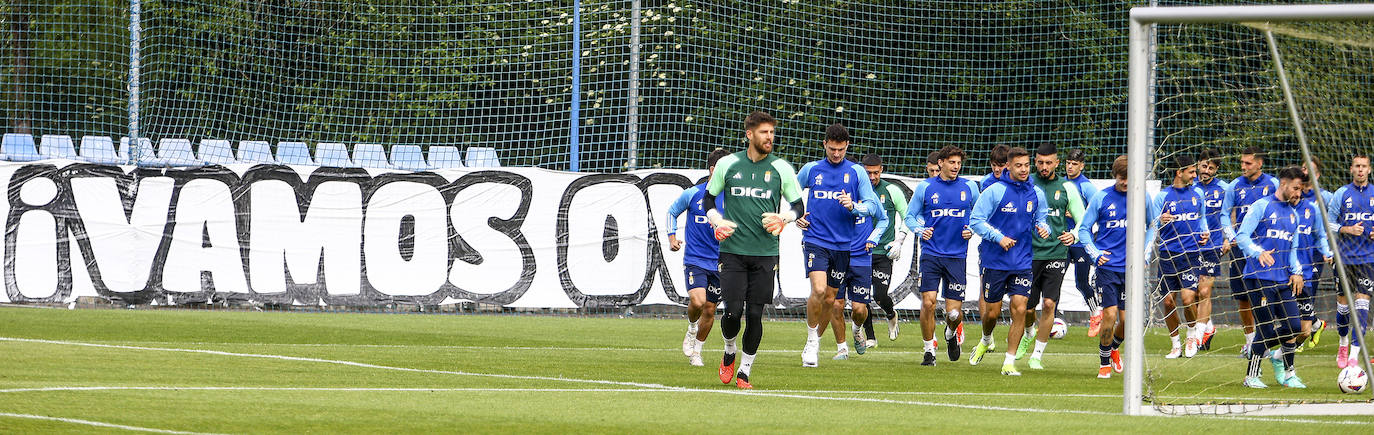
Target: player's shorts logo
<point x="1057" y="264"/>
<point x="810" y="257"/>
<point x="958" y="287"/>
<point x="1022" y="281"/>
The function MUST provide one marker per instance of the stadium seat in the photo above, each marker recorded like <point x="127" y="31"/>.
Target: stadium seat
<point x="482" y="157"/>
<point x="216" y="152"/>
<point x="53" y="146"/>
<point x="444" y="156"/>
<point x="333" y="155"/>
<point x="19" y="147"/>
<point x="370" y="156"/>
<point x="294" y="153"/>
<point x="101" y="150"/>
<point x="176" y="152"/>
<point x="256" y="151"/>
<point x="144" y="153"/>
<point x="408" y="157"/>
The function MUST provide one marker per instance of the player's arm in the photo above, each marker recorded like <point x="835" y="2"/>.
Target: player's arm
<point x="1042" y="211"/>
<point x="983" y="209"/>
<point x="1323" y="245"/>
<point x="791" y="193"/>
<point x="915" y="213"/>
<point x="868" y="200"/>
<point x="1228" y="202"/>
<point x="678" y="208"/>
<point x="1333" y="208"/>
<point x="898" y="203"/>
<point x="1075" y="202"/>
<point x="1247" y="229"/>
<point x="880" y="223"/>
<point x="1085" y="228"/>
<point x="1152" y="224"/>
<point x="1206" y="229"/>
<point x="723" y="227"/>
<point x="1294" y="264"/>
<point x="1089" y="191"/>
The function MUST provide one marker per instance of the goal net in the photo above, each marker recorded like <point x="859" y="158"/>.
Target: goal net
<point x="1217" y="95"/>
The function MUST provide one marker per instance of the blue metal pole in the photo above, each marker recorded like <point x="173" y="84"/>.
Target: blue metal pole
<point x="576" y="85"/>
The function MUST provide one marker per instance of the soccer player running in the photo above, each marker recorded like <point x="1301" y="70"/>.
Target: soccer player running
<point x="997" y="158"/>
<point x="752" y="181"/>
<point x="1082" y="264"/>
<point x="889" y="246"/>
<point x="1273" y="277"/>
<point x="1106" y="245"/>
<point x="1251" y="186"/>
<point x="1176" y="215"/>
<point x="1007" y="216"/>
<point x="700" y="261"/>
<point x="1353" y="208"/>
<point x="839" y="192"/>
<point x="1051" y="254"/>
<point x="857" y="287"/>
<point x="939" y="214"/>
<point x="1213" y="194"/>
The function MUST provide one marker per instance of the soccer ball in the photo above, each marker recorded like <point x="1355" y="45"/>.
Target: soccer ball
<point x="1352" y="380"/>
<point x="1060" y="329"/>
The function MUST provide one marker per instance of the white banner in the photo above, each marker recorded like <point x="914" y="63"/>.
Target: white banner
<point x="518" y="237"/>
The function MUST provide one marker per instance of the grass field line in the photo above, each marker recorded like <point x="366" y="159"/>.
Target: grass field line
<point x="95" y="423"/>
<point x="548" y="348"/>
<point x="756" y="393"/>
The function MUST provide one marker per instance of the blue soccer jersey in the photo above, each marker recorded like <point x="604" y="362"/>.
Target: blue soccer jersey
<point x="1213" y="194"/>
<point x="1354" y="205"/>
<point x="832" y="225"/>
<point x="1270" y="225"/>
<point x="702" y="249"/>
<point x="1240" y="195"/>
<point x="871" y="229"/>
<point x="944" y="206"/>
<point x="1182" y="234"/>
<point x="1012" y="209"/>
<point x="1087" y="190"/>
<point x="1311" y="244"/>
<point x="1106" y="212"/>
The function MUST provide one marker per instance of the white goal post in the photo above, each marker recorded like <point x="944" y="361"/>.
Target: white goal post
<point x="1139" y="141"/>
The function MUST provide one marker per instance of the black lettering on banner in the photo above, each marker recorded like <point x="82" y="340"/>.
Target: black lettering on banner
<point x="433" y="291"/>
<point x="120" y="269"/>
<point x="565" y="277"/>
<point x="460" y="250"/>
<point x="35" y="193"/>
<point x="237" y="274"/>
<point x="658" y="265"/>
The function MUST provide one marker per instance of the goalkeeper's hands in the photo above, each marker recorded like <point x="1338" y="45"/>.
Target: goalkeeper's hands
<point x="894" y="248"/>
<point x="775" y="222"/>
<point x="723" y="227"/>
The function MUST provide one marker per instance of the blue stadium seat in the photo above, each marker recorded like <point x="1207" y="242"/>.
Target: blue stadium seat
<point x="144" y="152"/>
<point x="294" y="153"/>
<point x="18" y="147"/>
<point x="333" y="155"/>
<point x="370" y="156"/>
<point x="444" y="156"/>
<point x="216" y="152"/>
<point x="176" y="152"/>
<point x="53" y="146"/>
<point x="408" y="157"/>
<point x="256" y="151"/>
<point x="482" y="157"/>
<point x="101" y="150"/>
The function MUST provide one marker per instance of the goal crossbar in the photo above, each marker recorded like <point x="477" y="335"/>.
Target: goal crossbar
<point x="1139" y="141"/>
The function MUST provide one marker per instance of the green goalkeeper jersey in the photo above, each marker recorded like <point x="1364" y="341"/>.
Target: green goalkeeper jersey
<point x="894" y="203"/>
<point x="1063" y="198"/>
<point x="752" y="189"/>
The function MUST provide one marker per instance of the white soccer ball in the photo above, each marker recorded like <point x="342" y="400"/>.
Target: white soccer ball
<point x="1352" y="380"/>
<point x="1060" y="329"/>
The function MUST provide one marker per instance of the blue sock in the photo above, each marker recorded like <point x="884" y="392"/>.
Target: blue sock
<point x="1104" y="353"/>
<point x="1362" y="313"/>
<point x="1343" y="320"/>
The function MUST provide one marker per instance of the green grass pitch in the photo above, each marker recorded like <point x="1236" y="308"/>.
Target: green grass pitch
<point x="235" y="372"/>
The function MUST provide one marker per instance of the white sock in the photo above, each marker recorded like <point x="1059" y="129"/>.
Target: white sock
<point x="696" y="345"/>
<point x="746" y="363"/>
<point x="842" y="347"/>
<point x="1345" y="341"/>
<point x="812" y="333"/>
<point x="987" y="339"/>
<point x="730" y="346"/>
<point x="1354" y="353"/>
<point x="692" y="327"/>
<point x="1039" y="349"/>
<point x="1211" y="327"/>
<point x="1174" y="340"/>
<point x="930" y="345"/>
<point x="1009" y="360"/>
<point x="1249" y="338"/>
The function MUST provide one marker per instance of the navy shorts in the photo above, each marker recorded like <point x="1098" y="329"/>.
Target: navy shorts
<point x="999" y="283"/>
<point x="1178" y="271"/>
<point x="948" y="275"/>
<point x="1079" y="255"/>
<point x="1111" y="288"/>
<point x="1209" y="262"/>
<point x="858" y="285"/>
<point x="1362" y="277"/>
<point x="1238" y="291"/>
<point x="698" y="277"/>
<point x="833" y="262"/>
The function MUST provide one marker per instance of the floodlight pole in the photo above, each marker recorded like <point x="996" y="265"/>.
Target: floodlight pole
<point x="1139" y="143"/>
